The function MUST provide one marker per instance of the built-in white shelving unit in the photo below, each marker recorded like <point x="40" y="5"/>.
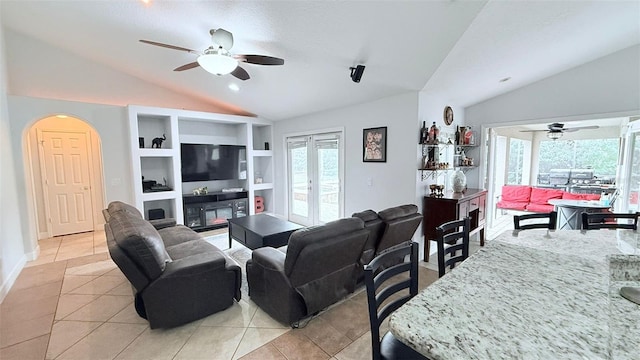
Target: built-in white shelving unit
<point x="181" y="126"/>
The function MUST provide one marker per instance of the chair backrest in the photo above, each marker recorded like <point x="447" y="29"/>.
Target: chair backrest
<point x="377" y="294"/>
<point x="455" y="234"/>
<point x="322" y="261"/>
<point x="375" y="226"/>
<point x="401" y="222"/>
<point x="523" y="222"/>
<point x="608" y="220"/>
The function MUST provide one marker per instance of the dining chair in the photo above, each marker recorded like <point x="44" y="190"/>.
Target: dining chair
<point x="524" y="222"/>
<point x="452" y="237"/>
<point x="383" y="284"/>
<point x="608" y="220"/>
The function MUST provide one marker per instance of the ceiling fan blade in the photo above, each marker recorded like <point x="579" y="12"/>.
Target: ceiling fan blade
<point x="532" y="130"/>
<point x="187" y="66"/>
<point x="167" y="46"/>
<point x="581" y="128"/>
<point x="260" y="59"/>
<point x="240" y="73"/>
<point x="222" y="37"/>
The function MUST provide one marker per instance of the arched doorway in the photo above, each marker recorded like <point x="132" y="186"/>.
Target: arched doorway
<point x="65" y="163"/>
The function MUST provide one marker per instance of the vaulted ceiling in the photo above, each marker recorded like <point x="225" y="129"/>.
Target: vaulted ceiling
<point x="461" y="49"/>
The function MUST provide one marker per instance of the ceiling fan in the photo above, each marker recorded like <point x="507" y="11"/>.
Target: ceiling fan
<point x="217" y="59"/>
<point x="556" y="130"/>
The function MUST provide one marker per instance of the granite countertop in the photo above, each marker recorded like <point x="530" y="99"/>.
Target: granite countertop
<point x="536" y="296"/>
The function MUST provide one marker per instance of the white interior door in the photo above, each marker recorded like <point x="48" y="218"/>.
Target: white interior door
<point x="314" y="168"/>
<point x="65" y="175"/>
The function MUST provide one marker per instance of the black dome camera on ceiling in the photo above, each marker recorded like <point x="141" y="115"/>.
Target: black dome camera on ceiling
<point x="356" y="73"/>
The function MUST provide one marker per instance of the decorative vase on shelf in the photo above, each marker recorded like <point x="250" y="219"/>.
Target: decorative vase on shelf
<point x="458" y="181"/>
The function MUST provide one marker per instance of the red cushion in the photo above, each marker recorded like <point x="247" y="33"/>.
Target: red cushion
<point x="516" y="193"/>
<point x="572" y="196"/>
<point x="542" y="196"/>
<point x="539" y="208"/>
<point x="592" y="196"/>
<point x="514" y="205"/>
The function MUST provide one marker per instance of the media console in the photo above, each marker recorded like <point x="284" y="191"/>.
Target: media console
<point x="211" y="211"/>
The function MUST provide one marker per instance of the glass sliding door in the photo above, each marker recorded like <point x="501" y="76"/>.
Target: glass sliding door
<point x="314" y="166"/>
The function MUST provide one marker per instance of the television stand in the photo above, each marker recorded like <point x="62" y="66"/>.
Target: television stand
<point x="211" y="211"/>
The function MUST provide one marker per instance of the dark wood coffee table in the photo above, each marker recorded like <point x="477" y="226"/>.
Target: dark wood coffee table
<point x="256" y="231"/>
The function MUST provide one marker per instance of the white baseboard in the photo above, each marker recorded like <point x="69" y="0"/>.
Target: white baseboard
<point x="11" y="278"/>
<point x="43" y="235"/>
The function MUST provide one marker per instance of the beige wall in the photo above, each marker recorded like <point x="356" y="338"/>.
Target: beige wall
<point x="54" y="123"/>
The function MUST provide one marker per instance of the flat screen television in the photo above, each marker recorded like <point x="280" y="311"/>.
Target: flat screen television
<point x="203" y="162"/>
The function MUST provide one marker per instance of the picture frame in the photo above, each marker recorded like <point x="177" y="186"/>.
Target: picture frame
<point x="374" y="144"/>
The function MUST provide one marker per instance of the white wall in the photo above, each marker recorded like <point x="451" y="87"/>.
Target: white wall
<point x="393" y="182"/>
<point x="606" y="87"/>
<point x="12" y="249"/>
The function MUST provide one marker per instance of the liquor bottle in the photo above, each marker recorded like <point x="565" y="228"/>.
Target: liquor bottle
<point x="423" y="133"/>
<point x="457" y="135"/>
<point x="433" y="134"/>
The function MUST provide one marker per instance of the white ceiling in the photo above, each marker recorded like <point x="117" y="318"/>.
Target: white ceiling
<point x="458" y="48"/>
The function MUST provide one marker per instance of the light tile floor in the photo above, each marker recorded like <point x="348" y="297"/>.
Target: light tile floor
<point x="74" y="303"/>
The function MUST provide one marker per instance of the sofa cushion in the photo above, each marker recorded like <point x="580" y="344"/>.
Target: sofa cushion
<point x="539" y="208"/>
<point x="178" y="234"/>
<point x="312" y="236"/>
<point x="367" y="215"/>
<point x="572" y="196"/>
<point x="140" y="241"/>
<point x="515" y="205"/>
<point x="516" y="193"/>
<point x="398" y="212"/>
<point x="116" y="206"/>
<point x="542" y="196"/>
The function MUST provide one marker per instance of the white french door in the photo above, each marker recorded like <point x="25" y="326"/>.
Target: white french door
<point x="315" y="174"/>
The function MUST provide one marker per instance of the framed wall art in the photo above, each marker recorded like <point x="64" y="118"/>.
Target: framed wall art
<point x="374" y="141"/>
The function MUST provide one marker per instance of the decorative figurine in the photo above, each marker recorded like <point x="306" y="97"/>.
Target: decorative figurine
<point x="157" y="142"/>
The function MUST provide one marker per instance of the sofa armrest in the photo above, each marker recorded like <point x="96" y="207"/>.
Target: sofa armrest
<point x="269" y="258"/>
<point x="163" y="223"/>
<point x="196" y="264"/>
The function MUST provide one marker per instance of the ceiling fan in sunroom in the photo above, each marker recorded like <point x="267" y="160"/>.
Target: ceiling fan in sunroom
<point x="556" y="130"/>
<point x="217" y="58"/>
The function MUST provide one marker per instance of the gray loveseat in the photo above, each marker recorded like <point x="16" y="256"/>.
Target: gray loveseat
<point x="177" y="276"/>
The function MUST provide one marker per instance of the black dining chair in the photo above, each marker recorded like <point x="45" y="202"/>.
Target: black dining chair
<point x="607" y="220"/>
<point x="383" y="284"/>
<point x="532" y="221"/>
<point x="452" y="237"/>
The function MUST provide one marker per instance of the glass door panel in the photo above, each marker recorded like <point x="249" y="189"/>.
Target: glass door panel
<point x="327" y="153"/>
<point x="299" y="180"/>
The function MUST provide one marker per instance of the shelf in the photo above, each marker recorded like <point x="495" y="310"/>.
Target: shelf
<point x="159" y="195"/>
<point x="447" y="169"/>
<point x="156" y="152"/>
<point x="265" y="186"/>
<point x="262" y="152"/>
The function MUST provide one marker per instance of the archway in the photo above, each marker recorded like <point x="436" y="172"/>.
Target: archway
<point x="64" y="160"/>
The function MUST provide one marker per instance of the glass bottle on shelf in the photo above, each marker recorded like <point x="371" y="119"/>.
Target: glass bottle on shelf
<point x="423" y="133"/>
<point x="434" y="133"/>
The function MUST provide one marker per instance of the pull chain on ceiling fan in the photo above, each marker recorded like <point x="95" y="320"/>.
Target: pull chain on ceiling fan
<point x="217" y="59"/>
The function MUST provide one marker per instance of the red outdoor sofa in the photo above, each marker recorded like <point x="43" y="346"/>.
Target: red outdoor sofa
<point x="533" y="199"/>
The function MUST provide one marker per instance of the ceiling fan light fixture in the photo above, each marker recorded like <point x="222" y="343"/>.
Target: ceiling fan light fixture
<point x="554" y="135"/>
<point x="216" y="63"/>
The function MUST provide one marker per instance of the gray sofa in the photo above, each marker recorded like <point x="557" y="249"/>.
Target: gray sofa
<point x="316" y="269"/>
<point x="177" y="276"/>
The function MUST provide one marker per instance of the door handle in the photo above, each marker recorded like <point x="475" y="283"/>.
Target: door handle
<point x="85" y="188"/>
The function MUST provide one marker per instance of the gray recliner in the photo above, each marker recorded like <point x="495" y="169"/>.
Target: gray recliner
<point x="401" y="222"/>
<point x="317" y="270"/>
<point x="177" y="276"/>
